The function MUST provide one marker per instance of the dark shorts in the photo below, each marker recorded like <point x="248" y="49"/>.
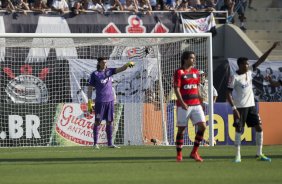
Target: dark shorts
<point x="104" y="111"/>
<point x="248" y="115"/>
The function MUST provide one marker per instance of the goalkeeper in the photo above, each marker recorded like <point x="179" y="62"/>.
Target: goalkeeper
<point x="101" y="80"/>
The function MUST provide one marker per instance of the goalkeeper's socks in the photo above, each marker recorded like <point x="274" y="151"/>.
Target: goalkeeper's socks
<point x="109" y="134"/>
<point x="95" y="134"/>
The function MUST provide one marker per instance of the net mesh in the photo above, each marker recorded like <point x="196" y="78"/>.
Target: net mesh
<point x="44" y="83"/>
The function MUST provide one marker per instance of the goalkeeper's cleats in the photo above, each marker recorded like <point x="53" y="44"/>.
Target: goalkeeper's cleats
<point x="179" y="157"/>
<point x="130" y="64"/>
<point x="262" y="157"/>
<point x="196" y="157"/>
<point x="113" y="146"/>
<point x="237" y="159"/>
<point x="96" y="146"/>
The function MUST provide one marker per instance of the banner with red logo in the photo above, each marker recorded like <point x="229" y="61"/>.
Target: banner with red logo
<point x="90" y="22"/>
<point x="74" y="126"/>
<point x="34" y="82"/>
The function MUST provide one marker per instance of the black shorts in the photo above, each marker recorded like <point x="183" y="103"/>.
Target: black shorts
<point x="248" y="115"/>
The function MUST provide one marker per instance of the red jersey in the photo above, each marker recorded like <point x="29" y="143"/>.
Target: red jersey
<point x="188" y="82"/>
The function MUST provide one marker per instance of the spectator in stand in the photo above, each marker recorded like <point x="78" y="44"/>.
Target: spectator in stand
<point x="240" y="7"/>
<point x="184" y="6"/>
<point x="130" y="5"/>
<point x="144" y="6"/>
<point x="204" y="89"/>
<point x="8" y="5"/>
<point x="77" y="7"/>
<point x="177" y="4"/>
<point x="96" y="5"/>
<point x="85" y="3"/>
<point x="229" y="7"/>
<point x="195" y="4"/>
<point x="19" y="6"/>
<point x="49" y="3"/>
<point x="169" y="5"/>
<point x="208" y="5"/>
<point x="60" y="6"/>
<point x="39" y="6"/>
<point x="269" y="90"/>
<point x="116" y="6"/>
<point x="158" y="7"/>
<point x="153" y="4"/>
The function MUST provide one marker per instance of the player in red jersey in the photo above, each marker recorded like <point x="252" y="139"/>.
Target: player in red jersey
<point x="186" y="87"/>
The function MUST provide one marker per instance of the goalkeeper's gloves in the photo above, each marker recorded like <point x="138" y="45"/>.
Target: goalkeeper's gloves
<point x="90" y="105"/>
<point x="130" y="64"/>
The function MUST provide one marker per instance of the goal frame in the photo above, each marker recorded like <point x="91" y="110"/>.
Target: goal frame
<point x="143" y="35"/>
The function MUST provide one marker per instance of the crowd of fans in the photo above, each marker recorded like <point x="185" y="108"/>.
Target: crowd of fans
<point x="78" y="6"/>
<point x="145" y="6"/>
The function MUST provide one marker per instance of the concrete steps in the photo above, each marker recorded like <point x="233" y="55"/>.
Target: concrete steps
<point x="261" y="3"/>
<point x="264" y="26"/>
<point x="264" y="13"/>
<point x="268" y="24"/>
<point x="264" y="45"/>
<point x="267" y="3"/>
<point x="264" y="34"/>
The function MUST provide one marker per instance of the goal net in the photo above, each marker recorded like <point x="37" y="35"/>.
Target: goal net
<point x="44" y="77"/>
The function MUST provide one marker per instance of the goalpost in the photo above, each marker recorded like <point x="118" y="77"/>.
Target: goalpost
<point x="44" y="77"/>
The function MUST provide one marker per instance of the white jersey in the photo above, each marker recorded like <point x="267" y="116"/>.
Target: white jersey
<point x="242" y="86"/>
<point x="204" y="91"/>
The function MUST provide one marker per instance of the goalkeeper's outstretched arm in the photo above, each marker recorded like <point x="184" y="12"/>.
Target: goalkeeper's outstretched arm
<point x="124" y="67"/>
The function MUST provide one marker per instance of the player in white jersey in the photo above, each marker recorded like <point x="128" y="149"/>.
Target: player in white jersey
<point x="243" y="103"/>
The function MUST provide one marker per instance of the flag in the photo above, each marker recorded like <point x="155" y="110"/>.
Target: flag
<point x="198" y="22"/>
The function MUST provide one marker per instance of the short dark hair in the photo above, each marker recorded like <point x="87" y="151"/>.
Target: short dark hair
<point x="99" y="60"/>
<point x="240" y="60"/>
<point x="185" y="55"/>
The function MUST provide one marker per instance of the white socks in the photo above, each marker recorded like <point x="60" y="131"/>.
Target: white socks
<point x="238" y="144"/>
<point x="259" y="141"/>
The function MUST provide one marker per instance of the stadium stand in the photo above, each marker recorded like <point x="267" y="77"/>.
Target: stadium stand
<point x="264" y="24"/>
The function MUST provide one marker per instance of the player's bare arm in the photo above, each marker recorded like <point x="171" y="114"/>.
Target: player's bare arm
<point x="230" y="100"/>
<point x="180" y="99"/>
<point x="124" y="67"/>
<point x="265" y="55"/>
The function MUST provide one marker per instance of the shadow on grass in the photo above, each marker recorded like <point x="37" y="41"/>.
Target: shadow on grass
<point x="88" y="160"/>
<point x="119" y="159"/>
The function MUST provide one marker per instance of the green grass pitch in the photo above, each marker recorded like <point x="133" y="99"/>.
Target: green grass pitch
<point x="137" y="164"/>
